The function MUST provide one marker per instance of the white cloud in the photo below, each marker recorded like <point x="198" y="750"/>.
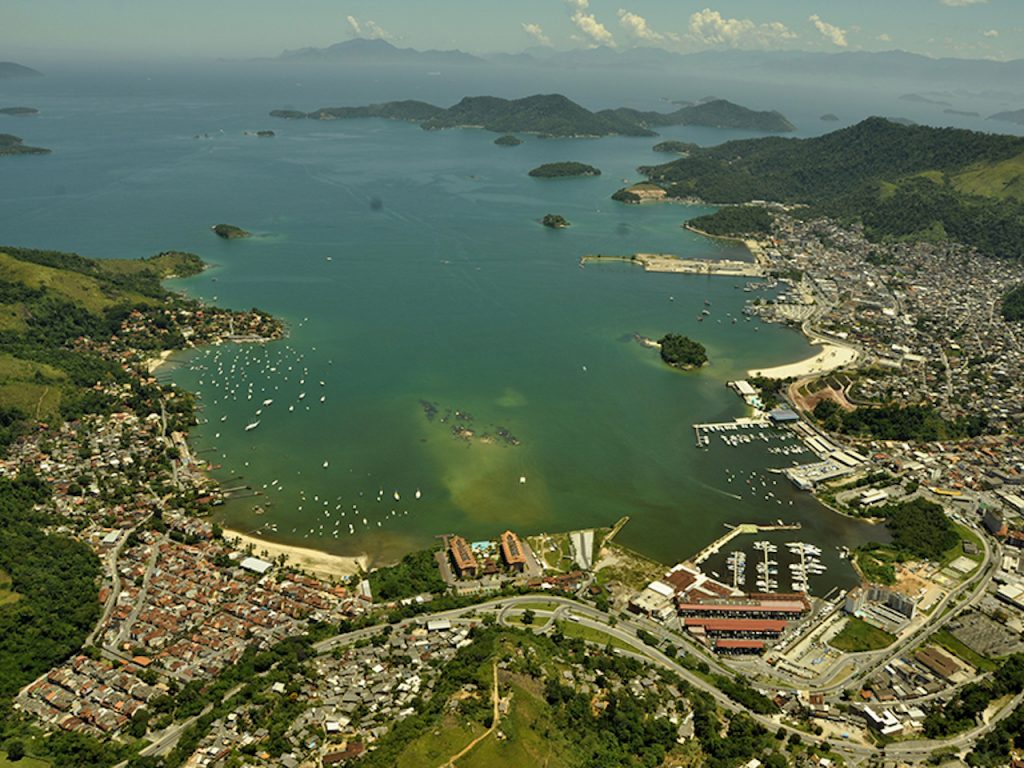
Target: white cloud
<point x="962" y="3"/>
<point x="535" y="31"/>
<point x="637" y="27"/>
<point x="593" y="31"/>
<point x="711" y="28"/>
<point x="885" y="37"/>
<point x="836" y="35"/>
<point x="991" y="33"/>
<point x="368" y="29"/>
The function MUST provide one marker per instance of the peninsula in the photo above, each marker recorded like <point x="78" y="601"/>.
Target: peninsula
<point x="553" y="115"/>
<point x="901" y="182"/>
<point x="675" y="147"/>
<point x="562" y="170"/>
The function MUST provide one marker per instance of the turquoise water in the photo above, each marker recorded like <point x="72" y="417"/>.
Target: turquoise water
<point x="416" y="281"/>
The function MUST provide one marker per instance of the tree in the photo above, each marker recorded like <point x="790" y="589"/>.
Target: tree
<point x="528" y="616"/>
<point x="15" y="750"/>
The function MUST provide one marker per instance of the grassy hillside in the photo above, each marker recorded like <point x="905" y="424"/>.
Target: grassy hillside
<point x="903" y="182"/>
<point x="47" y="301"/>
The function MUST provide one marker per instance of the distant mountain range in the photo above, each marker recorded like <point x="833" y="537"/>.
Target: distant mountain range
<point x="554" y="115"/>
<point x="860" y="64"/>
<point x="1016" y="116"/>
<point x="9" y="70"/>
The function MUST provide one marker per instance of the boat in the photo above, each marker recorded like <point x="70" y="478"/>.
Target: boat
<point x="250" y="427"/>
<point x="268" y="401"/>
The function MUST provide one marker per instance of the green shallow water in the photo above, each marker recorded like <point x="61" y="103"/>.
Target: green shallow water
<point x="411" y="268"/>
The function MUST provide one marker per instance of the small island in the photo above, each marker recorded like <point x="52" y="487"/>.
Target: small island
<point x="288" y="114"/>
<point x="508" y="140"/>
<point x="554" y="221"/>
<point x="11" y="145"/>
<point x="675" y="147"/>
<point x="828" y="117"/>
<point x="564" y="170"/>
<point x="229" y="231"/>
<point x="640" y="193"/>
<point x="19" y="111"/>
<point x="682" y="352"/>
<point x="265" y="134"/>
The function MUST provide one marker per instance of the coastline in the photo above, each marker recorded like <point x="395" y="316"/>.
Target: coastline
<point x="154" y="363"/>
<point x="305" y="558"/>
<point x="831" y="357"/>
<point x="755" y="247"/>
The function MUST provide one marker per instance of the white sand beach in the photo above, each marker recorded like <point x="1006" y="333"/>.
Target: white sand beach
<point x="153" y="363"/>
<point x="830" y="357"/>
<point x="313" y="560"/>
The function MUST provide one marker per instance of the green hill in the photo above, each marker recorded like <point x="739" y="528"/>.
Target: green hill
<point x="554" y="115"/>
<point x="900" y="181"/>
<point x="47" y="301"/>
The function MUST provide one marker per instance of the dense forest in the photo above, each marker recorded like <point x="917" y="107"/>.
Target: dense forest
<point x="919" y="528"/>
<point x="901" y="181"/>
<point x="1013" y="304"/>
<point x="682" y="352"/>
<point x="734" y="221"/>
<point x="920" y="423"/>
<point x="414" y="574"/>
<point x="55" y="578"/>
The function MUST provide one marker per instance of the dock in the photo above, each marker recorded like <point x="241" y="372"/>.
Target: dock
<point x="744" y="422"/>
<point x="667" y="262"/>
<point x="716" y="546"/>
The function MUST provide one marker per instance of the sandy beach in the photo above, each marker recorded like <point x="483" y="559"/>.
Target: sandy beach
<point x="153" y="363"/>
<point x="312" y="560"/>
<point x="832" y="356"/>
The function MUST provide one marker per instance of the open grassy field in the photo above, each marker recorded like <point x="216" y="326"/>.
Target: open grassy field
<point x="527" y="737"/>
<point x="1003" y="179"/>
<point x="950" y="642"/>
<point x="434" y="747"/>
<point x="25" y="762"/>
<point x="858" y="635"/>
<point x="83" y="290"/>
<point x="590" y="635"/>
<point x="7" y="595"/>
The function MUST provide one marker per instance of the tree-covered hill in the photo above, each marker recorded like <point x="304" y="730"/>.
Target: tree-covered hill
<point x="901" y="181"/>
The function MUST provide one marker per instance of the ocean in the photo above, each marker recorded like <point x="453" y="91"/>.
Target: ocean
<point x="449" y="366"/>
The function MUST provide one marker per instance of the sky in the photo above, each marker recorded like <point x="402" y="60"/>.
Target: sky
<point x="242" y="28"/>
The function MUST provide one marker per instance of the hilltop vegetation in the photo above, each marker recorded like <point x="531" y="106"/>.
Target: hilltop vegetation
<point x="902" y="182"/>
<point x="553" y="115"/>
<point x="734" y="220"/>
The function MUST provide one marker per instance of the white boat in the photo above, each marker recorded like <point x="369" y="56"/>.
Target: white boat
<point x="250" y="427"/>
<point x="268" y="401"/>
<point x="418" y="494"/>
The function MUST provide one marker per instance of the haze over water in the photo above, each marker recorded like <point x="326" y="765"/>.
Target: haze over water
<point x="411" y="269"/>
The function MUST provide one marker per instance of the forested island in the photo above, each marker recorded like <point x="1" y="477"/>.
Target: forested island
<point x="508" y="140"/>
<point x="553" y="115"/>
<point x="12" y="145"/>
<point x="675" y="147"/>
<point x="229" y="231"/>
<point x="682" y="352"/>
<point x="554" y="221"/>
<point x="563" y="170"/>
<point x="19" y="111"/>
<point x="902" y="182"/>
<point x="828" y="117"/>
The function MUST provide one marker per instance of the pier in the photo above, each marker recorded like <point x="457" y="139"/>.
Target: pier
<point x="666" y="262"/>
